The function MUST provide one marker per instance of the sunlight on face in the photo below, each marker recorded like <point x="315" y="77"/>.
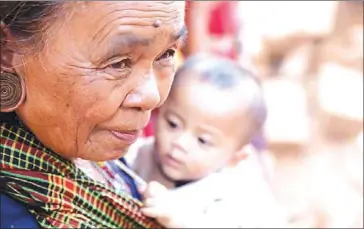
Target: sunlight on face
<point x="101" y="76"/>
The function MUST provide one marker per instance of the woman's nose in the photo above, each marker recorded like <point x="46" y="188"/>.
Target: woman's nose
<point x="144" y="97"/>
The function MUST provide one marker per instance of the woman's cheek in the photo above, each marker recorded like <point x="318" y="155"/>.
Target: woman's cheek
<point x="101" y="106"/>
<point x="165" y="87"/>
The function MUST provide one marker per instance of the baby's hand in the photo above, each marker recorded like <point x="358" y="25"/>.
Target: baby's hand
<point x="163" y="205"/>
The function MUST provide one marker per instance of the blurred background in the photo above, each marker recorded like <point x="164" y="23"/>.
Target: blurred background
<point x="309" y="57"/>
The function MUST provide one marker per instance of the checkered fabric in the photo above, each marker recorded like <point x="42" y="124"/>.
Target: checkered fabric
<point x="57" y="193"/>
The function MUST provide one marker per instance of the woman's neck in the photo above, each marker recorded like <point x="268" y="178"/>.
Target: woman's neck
<point x="90" y="170"/>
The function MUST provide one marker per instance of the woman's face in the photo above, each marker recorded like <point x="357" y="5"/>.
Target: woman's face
<point x="103" y="68"/>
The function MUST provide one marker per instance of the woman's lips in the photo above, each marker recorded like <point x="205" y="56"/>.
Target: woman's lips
<point x="128" y="136"/>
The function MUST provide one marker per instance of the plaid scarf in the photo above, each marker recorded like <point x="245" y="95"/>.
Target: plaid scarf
<point x="56" y="192"/>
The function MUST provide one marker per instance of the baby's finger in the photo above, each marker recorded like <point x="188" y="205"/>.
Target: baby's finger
<point x="151" y="202"/>
<point x="154" y="189"/>
<point x="142" y="189"/>
<point x="153" y="212"/>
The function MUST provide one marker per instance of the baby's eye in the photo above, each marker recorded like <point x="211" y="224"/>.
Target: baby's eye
<point x="202" y="141"/>
<point x="169" y="54"/>
<point x="172" y="124"/>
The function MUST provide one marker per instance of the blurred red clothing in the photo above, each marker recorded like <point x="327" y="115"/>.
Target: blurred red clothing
<point x="149" y="129"/>
<point x="223" y="22"/>
<point x="222" y="18"/>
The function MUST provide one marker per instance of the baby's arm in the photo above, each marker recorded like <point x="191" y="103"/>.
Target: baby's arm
<point x="251" y="207"/>
<point x="248" y="205"/>
<point x="217" y="201"/>
<point x="180" y="209"/>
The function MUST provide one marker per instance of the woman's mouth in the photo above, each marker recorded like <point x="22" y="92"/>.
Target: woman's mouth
<point x="126" y="136"/>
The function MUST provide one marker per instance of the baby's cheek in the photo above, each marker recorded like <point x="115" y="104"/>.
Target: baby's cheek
<point x="164" y="145"/>
<point x="199" y="168"/>
<point x="209" y="164"/>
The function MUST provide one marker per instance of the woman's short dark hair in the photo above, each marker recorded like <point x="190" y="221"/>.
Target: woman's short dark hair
<point x="27" y="19"/>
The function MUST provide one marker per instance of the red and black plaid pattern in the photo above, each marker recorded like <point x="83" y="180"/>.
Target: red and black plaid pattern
<point x="57" y="193"/>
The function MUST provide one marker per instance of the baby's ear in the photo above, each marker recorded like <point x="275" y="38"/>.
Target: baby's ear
<point x="242" y="154"/>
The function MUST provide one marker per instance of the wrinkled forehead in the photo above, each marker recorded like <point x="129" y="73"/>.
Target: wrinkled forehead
<point x="135" y="14"/>
<point x="130" y="9"/>
<point x="94" y="23"/>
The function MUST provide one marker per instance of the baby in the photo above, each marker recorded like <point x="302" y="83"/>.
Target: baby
<point x="204" y="174"/>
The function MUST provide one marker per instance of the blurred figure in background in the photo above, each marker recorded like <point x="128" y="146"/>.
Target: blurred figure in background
<point x="312" y="70"/>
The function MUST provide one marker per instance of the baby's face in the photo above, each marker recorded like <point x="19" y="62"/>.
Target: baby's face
<point x="199" y="130"/>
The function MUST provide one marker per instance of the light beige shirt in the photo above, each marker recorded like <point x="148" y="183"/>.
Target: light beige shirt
<point x="235" y="197"/>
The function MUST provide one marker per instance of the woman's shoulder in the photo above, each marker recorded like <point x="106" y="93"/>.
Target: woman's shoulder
<point x="14" y="214"/>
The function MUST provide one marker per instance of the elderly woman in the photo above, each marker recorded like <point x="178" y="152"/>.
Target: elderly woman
<point x="78" y="80"/>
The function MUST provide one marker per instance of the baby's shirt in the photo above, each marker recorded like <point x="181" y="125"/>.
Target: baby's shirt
<point x="141" y="160"/>
<point x="235" y="197"/>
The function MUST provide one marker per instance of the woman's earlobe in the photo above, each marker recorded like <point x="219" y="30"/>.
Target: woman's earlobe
<point x="12" y="86"/>
<point x="12" y="91"/>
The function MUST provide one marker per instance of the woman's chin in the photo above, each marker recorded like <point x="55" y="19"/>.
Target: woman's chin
<point x="113" y="155"/>
<point x="105" y="155"/>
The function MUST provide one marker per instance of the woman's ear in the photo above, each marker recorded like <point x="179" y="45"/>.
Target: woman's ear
<point x="8" y="50"/>
<point x="12" y="86"/>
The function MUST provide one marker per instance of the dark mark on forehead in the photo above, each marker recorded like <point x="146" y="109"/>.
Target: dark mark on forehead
<point x="157" y="23"/>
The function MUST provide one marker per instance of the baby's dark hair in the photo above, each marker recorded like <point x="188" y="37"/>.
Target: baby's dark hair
<point x="226" y="74"/>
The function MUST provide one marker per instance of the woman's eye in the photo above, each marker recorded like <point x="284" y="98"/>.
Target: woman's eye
<point x="172" y="124"/>
<point x="118" y="69"/>
<point x="169" y="54"/>
<point x="125" y="63"/>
